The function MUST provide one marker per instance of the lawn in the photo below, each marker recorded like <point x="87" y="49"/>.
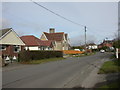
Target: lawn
<point x="111" y="85"/>
<point x="42" y="61"/>
<point x="110" y="67"/>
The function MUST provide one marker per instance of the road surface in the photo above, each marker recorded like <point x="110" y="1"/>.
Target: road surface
<point x="58" y="74"/>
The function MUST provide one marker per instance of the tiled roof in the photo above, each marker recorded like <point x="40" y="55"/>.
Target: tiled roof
<point x="54" y="36"/>
<point x="91" y="44"/>
<point x="3" y="31"/>
<point x="46" y="43"/>
<point x="31" y="40"/>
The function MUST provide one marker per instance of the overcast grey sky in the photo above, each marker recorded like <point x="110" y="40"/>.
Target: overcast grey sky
<point x="27" y="18"/>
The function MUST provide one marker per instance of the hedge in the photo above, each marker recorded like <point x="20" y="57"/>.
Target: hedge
<point x="37" y="55"/>
<point x="118" y="56"/>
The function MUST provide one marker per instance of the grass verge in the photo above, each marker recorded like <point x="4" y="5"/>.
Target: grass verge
<point x="110" y="67"/>
<point x="111" y="85"/>
<point x="42" y="61"/>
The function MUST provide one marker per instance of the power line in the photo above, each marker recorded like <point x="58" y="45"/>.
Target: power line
<point x="57" y="14"/>
<point x="63" y="18"/>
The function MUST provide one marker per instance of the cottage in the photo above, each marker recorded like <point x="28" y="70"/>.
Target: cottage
<point x="10" y="43"/>
<point x="34" y="43"/>
<point x="61" y="41"/>
<point x="106" y="43"/>
<point x="92" y="46"/>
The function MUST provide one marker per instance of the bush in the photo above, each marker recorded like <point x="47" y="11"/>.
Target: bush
<point x="119" y="56"/>
<point x="37" y="55"/>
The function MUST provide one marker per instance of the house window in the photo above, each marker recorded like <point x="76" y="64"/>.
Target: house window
<point x="2" y="47"/>
<point x="16" y="48"/>
<point x="49" y="48"/>
<point x="41" y="48"/>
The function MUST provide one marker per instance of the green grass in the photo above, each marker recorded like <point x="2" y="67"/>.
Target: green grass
<point x="42" y="61"/>
<point x="112" y="85"/>
<point x="113" y="57"/>
<point x="110" y="67"/>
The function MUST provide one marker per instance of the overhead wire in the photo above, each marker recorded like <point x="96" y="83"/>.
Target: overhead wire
<point x="60" y="15"/>
<point x="57" y="14"/>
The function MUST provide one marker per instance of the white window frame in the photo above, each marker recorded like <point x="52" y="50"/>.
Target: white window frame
<point x="3" y="46"/>
<point x="18" y="50"/>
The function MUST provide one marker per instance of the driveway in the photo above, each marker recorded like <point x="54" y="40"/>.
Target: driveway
<point x="58" y="74"/>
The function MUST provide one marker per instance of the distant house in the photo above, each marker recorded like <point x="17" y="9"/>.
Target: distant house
<point x="61" y="41"/>
<point x="10" y="43"/>
<point x="34" y="43"/>
<point x="106" y="43"/>
<point x="92" y="46"/>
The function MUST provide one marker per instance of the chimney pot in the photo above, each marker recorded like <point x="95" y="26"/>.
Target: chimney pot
<point x="51" y="30"/>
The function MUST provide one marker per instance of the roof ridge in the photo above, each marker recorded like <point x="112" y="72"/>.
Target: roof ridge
<point x="44" y="32"/>
<point x="26" y="35"/>
<point x="4" y="32"/>
<point x="6" y="28"/>
<point x="53" y="33"/>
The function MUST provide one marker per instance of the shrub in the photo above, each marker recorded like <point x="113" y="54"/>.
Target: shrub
<point x="37" y="55"/>
<point x="119" y="56"/>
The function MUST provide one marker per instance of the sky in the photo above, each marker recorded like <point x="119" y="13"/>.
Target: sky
<point x="27" y="18"/>
<point x="119" y="20"/>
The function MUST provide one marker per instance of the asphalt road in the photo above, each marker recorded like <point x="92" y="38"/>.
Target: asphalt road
<point x="58" y="74"/>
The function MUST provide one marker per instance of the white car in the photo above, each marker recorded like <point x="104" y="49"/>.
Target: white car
<point x="102" y="51"/>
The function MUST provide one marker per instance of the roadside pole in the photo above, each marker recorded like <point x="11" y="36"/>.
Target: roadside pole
<point x="117" y="53"/>
<point x="85" y="40"/>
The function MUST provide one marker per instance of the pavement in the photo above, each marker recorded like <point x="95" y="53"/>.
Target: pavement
<point x="13" y="66"/>
<point x="69" y="73"/>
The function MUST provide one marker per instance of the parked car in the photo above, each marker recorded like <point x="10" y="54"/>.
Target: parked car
<point x="102" y="51"/>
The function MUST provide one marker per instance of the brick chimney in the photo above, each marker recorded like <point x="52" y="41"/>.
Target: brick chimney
<point x="51" y="30"/>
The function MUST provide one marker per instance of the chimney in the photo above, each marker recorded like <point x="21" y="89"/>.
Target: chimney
<point x="66" y="36"/>
<point x="51" y="30"/>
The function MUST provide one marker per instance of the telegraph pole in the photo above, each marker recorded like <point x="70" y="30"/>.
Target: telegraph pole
<point x="85" y="39"/>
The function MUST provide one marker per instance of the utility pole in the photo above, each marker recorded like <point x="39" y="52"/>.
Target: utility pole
<point x="85" y="40"/>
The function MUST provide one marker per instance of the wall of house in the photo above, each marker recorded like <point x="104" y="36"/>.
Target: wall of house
<point x="43" y="37"/>
<point x="32" y="48"/>
<point x="58" y="45"/>
<point x="45" y="48"/>
<point x="61" y="46"/>
<point x="38" y="48"/>
<point x="10" y="51"/>
<point x="66" y="45"/>
<point x="15" y="39"/>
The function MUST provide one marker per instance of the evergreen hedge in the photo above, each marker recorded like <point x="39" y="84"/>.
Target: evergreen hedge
<point x="37" y="55"/>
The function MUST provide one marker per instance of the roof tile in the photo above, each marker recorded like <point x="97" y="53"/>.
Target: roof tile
<point x="31" y="40"/>
<point x="54" y="36"/>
